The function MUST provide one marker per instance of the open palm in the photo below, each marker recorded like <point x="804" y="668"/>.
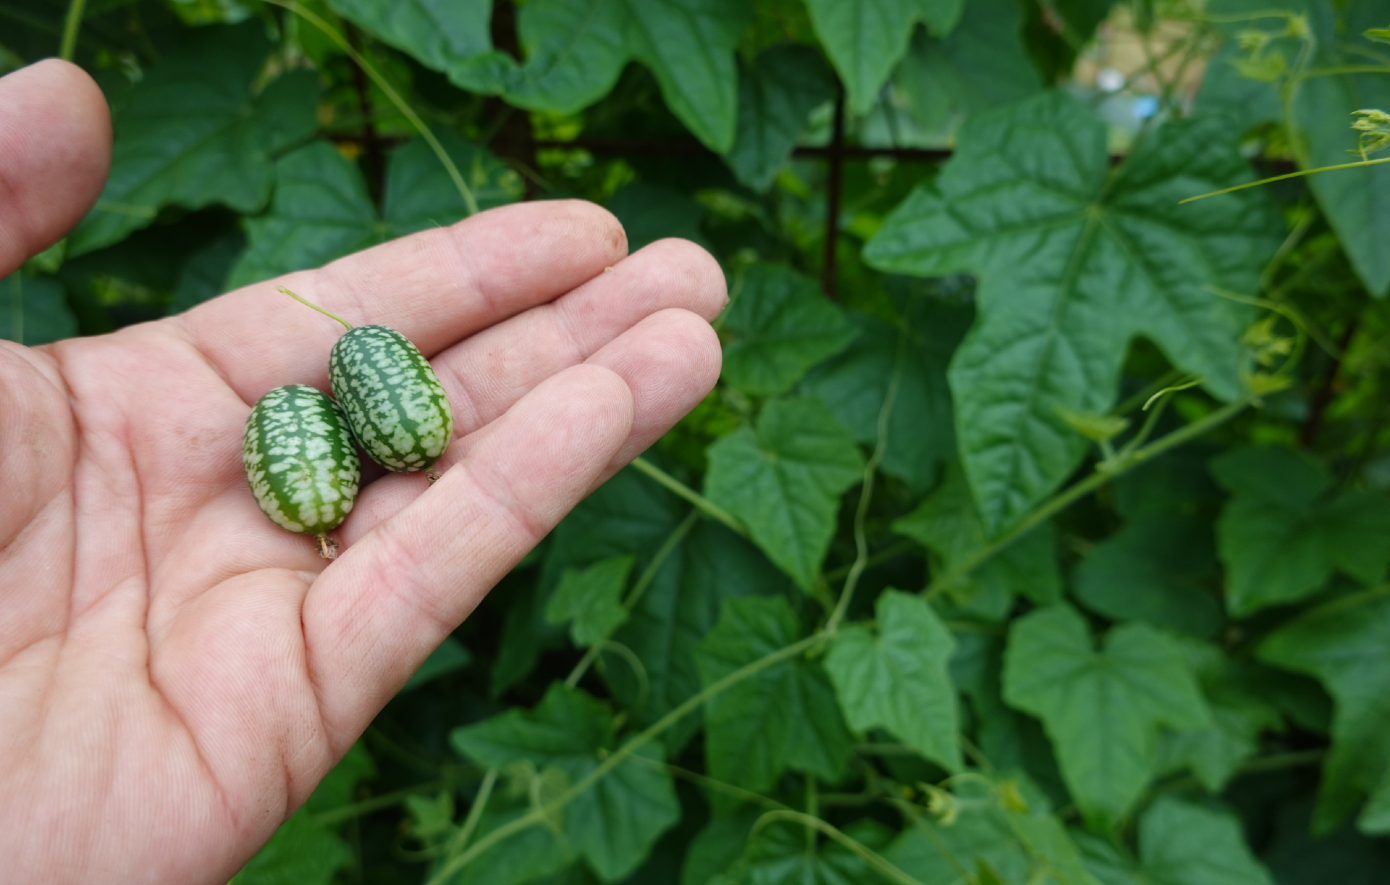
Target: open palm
<point x="176" y="673"/>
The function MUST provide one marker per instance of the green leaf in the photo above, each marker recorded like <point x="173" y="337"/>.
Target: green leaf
<point x="592" y="598"/>
<point x="434" y="31"/>
<point x="1239" y="714"/>
<point x="420" y="194"/>
<point x="866" y="39"/>
<point x="979" y="66"/>
<point x="778" y="327"/>
<point x="1101" y="709"/>
<point x="1343" y="644"/>
<point x="338" y="786"/>
<point x="575" y="50"/>
<point x="193" y="133"/>
<point x="1298" y="857"/>
<point x="34" y="309"/>
<point x="784" y="716"/>
<point x="675" y="612"/>
<point x="718" y="845"/>
<point x="1285" y="530"/>
<point x="1356" y="201"/>
<point x="779" y="855"/>
<point x="854" y="385"/>
<point x="521" y="858"/>
<point x="775" y="96"/>
<point x="1074" y="262"/>
<point x="204" y="275"/>
<point x="1353" y="200"/>
<point x="321" y="210"/>
<point x="302" y="852"/>
<point x="784" y="482"/>
<point x="1014" y="845"/>
<point x="631" y="514"/>
<point x="614" y="823"/>
<point x="1179" y="844"/>
<point x="1159" y="568"/>
<point x="449" y="657"/>
<point x="948" y="524"/>
<point x="899" y="679"/>
<point x="689" y="46"/>
<point x="650" y="212"/>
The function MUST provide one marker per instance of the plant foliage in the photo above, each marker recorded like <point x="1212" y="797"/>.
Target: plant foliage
<point x="1051" y="549"/>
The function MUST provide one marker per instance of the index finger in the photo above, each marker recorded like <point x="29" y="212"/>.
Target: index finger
<point x="436" y="287"/>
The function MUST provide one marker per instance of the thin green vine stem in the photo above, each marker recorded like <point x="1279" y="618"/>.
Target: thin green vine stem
<point x="618" y="756"/>
<point x="1064" y="499"/>
<point x="475" y="814"/>
<point x="861" y="544"/>
<point x="335" y="816"/>
<point x="391" y="94"/>
<point x="706" y="506"/>
<point x="663" y="552"/>
<point x="885" y="867"/>
<point x="71" y="24"/>
<point x="644" y="580"/>
<point x="713" y="784"/>
<point x="1299" y="174"/>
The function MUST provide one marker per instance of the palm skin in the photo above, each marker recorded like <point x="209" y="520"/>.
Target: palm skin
<point x="176" y="673"/>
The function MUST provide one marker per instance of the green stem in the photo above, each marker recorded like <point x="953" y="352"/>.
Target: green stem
<point x="71" y="24"/>
<point x="1298" y="174"/>
<point x="861" y="544"/>
<point x="710" y="783"/>
<point x="335" y="816"/>
<point x="590" y="655"/>
<point x="648" y="575"/>
<point x="394" y="97"/>
<point x="1067" y="497"/>
<point x="346" y="324"/>
<point x="475" y="813"/>
<point x="551" y="808"/>
<point x="706" y="506"/>
<point x="880" y="863"/>
<point x="882" y="556"/>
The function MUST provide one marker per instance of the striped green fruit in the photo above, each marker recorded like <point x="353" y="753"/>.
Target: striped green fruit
<point x="394" y="402"/>
<point x="300" y="461"/>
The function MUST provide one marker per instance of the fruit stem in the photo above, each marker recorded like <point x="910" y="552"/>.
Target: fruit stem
<point x="346" y="324"/>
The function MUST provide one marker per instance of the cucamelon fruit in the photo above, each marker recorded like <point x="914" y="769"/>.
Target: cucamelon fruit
<point x="300" y="461"/>
<point x="393" y="401"/>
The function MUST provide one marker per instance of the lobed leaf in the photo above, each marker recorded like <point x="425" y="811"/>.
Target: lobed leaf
<point x="1102" y="710"/>
<point x="1074" y="262"/>
<point x="784" y="482"/>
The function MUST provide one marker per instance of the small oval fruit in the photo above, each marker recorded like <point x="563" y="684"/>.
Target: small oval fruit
<point x="300" y="460"/>
<point x="394" y="402"/>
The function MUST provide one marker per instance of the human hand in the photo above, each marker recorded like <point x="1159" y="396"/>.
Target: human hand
<point x="176" y="673"/>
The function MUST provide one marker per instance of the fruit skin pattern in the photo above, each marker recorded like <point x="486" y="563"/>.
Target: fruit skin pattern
<point x="300" y="461"/>
<point x="394" y="402"/>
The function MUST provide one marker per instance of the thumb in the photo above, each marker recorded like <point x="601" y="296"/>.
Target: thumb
<point x="55" y="149"/>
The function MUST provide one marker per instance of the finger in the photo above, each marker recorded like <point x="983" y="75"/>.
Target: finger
<point x="669" y="361"/>
<point x="55" y="149"/>
<point x="486" y="374"/>
<point x="435" y="287"/>
<point x="375" y="613"/>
